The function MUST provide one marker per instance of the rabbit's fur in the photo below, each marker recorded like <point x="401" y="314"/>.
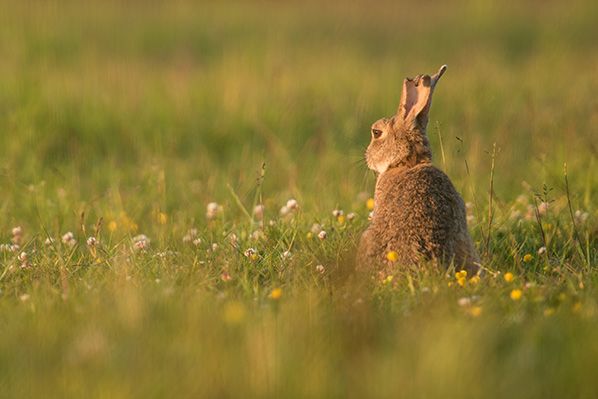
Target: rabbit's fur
<point x="417" y="212"/>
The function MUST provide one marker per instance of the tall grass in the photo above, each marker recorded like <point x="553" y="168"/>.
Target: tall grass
<point x="120" y="119"/>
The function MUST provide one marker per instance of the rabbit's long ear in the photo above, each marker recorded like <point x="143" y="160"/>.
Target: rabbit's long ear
<point x="416" y="98"/>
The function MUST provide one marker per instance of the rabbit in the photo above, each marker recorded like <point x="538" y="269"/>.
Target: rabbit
<point x="417" y="213"/>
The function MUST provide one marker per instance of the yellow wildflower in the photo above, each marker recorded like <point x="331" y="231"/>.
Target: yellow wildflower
<point x="474" y="280"/>
<point x="528" y="258"/>
<point x="516" y="294"/>
<point x="392" y="256"/>
<point x="388" y="279"/>
<point x="508" y="277"/>
<point x="340" y="219"/>
<point x="370" y="204"/>
<point x="475" y="311"/>
<point x="112" y="226"/>
<point x="276" y="293"/>
<point x="461" y="277"/>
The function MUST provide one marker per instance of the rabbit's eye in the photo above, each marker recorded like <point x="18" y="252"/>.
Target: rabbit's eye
<point x="376" y="133"/>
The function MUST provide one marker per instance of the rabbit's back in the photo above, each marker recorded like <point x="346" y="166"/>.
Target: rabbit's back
<point x="419" y="215"/>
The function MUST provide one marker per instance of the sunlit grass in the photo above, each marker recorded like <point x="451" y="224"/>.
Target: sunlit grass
<point x="183" y="188"/>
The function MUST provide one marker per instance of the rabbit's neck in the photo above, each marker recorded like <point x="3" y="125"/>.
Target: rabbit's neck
<point x="394" y="172"/>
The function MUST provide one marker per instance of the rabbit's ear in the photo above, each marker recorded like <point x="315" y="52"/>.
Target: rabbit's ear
<point x="416" y="98"/>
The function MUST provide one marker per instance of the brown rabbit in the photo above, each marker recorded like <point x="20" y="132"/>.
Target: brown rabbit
<point x="417" y="213"/>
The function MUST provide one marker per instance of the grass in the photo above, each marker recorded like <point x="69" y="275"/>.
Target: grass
<point x="120" y="120"/>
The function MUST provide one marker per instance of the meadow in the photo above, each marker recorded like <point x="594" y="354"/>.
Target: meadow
<point x="183" y="188"/>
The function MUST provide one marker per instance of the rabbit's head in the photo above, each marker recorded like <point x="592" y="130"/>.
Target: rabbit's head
<point x="401" y="139"/>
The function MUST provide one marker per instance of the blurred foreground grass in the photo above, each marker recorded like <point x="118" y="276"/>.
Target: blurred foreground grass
<point x="125" y="119"/>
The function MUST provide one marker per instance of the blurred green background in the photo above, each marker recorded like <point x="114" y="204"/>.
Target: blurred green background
<point x="106" y="91"/>
<point x="124" y="110"/>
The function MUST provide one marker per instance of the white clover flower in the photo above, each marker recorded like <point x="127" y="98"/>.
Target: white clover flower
<point x="166" y="254"/>
<point x="543" y="208"/>
<point x="316" y="228"/>
<point x="541" y="250"/>
<point x="234" y="240"/>
<point x="286" y="254"/>
<point x="197" y="242"/>
<point x="140" y="237"/>
<point x="212" y="210"/>
<point x="322" y="235"/>
<point x="530" y="214"/>
<point x="320" y="269"/>
<point x="141" y="245"/>
<point x="214" y="247"/>
<point x="337" y="212"/>
<point x="465" y="301"/>
<point x="141" y="242"/>
<point x="17" y="235"/>
<point x="49" y="241"/>
<point x="23" y="258"/>
<point x="581" y="217"/>
<point x="92" y="242"/>
<point x="258" y="235"/>
<point x="371" y="215"/>
<point x="292" y="204"/>
<point x="284" y="211"/>
<point x="258" y="211"/>
<point x="69" y="239"/>
<point x="351" y="216"/>
<point x="190" y="236"/>
<point x="250" y="253"/>
<point x="470" y="217"/>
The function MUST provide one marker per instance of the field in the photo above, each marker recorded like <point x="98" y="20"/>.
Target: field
<point x="138" y="138"/>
